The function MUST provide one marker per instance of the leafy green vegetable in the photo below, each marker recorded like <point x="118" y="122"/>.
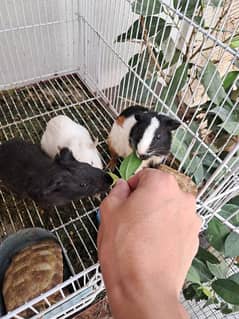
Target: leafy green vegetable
<point x="216" y="234"/>
<point x="218" y="270"/>
<point x="227" y="289"/>
<point x="129" y="166"/>
<point x="114" y="177"/>
<point x="232" y="245"/>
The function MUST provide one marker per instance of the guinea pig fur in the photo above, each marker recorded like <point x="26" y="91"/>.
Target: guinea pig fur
<point x="146" y="132"/>
<point x="61" y="132"/>
<point x="29" y="172"/>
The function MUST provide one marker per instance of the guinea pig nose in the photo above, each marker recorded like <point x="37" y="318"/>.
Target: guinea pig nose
<point x="143" y="156"/>
<point x="108" y="179"/>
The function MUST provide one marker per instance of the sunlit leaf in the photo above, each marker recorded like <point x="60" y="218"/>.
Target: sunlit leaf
<point x="235" y="42"/>
<point x="229" y="79"/>
<point x="218" y="270"/>
<point x="232" y="245"/>
<point x="228" y="210"/>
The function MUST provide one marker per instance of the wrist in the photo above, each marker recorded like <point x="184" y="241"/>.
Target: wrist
<point x="147" y="303"/>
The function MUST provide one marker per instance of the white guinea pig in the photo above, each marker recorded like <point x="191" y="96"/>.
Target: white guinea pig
<point x="62" y="132"/>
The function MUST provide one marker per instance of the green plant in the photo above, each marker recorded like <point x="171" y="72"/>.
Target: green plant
<point x="211" y="128"/>
<point x="214" y="122"/>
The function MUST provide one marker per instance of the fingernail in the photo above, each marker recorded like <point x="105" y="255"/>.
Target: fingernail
<point x="120" y="181"/>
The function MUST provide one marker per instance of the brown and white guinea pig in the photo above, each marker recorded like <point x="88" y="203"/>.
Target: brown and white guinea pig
<point x="146" y="132"/>
<point x="61" y="132"/>
<point x="29" y="172"/>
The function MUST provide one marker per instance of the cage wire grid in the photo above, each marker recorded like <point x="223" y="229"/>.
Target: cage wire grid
<point x="75" y="89"/>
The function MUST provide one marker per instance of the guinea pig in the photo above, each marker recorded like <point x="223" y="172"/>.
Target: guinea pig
<point x="145" y="132"/>
<point x="61" y="132"/>
<point x="29" y="172"/>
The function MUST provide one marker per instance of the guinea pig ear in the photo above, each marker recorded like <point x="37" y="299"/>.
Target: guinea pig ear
<point x="64" y="156"/>
<point x="172" y="124"/>
<point x="139" y="117"/>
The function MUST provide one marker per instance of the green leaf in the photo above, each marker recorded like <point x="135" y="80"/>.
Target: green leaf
<point x="205" y="255"/>
<point x="210" y="79"/>
<point x="204" y="273"/>
<point x="146" y="7"/>
<point x="195" y="168"/>
<point x="232" y="245"/>
<point x="227" y="289"/>
<point x="162" y="35"/>
<point x="114" y="177"/>
<point x="152" y="24"/>
<point x="187" y="7"/>
<point x="177" y="82"/>
<point x="228" y="210"/>
<point x="234" y="277"/>
<point x="232" y="127"/>
<point x="229" y="79"/>
<point x="129" y="166"/>
<point x="178" y="147"/>
<point x="216" y="233"/>
<point x="235" y="42"/>
<point x="193" y="275"/>
<point x="218" y="270"/>
<point x="230" y="119"/>
<point x="213" y="3"/>
<point x="132" y="88"/>
<point x="207" y="292"/>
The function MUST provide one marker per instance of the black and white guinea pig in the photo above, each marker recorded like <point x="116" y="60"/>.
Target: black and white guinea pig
<point x="29" y="172"/>
<point x="146" y="132"/>
<point x="61" y="132"/>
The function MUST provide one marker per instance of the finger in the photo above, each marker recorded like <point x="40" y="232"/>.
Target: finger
<point x="116" y="197"/>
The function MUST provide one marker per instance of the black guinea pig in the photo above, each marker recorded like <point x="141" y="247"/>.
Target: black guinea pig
<point x="146" y="132"/>
<point x="29" y="172"/>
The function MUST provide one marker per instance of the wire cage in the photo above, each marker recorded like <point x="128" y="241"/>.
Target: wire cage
<point x="89" y="60"/>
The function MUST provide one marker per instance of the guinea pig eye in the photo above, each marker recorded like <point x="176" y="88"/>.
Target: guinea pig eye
<point x="158" y="137"/>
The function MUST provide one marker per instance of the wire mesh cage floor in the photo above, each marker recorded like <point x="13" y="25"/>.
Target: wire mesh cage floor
<point x="67" y="57"/>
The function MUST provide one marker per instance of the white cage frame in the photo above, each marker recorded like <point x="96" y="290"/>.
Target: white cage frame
<point x="79" y="83"/>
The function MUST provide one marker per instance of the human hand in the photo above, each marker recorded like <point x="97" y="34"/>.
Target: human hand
<point x="147" y="239"/>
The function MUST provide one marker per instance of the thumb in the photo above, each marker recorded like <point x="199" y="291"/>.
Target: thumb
<point x="117" y="195"/>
